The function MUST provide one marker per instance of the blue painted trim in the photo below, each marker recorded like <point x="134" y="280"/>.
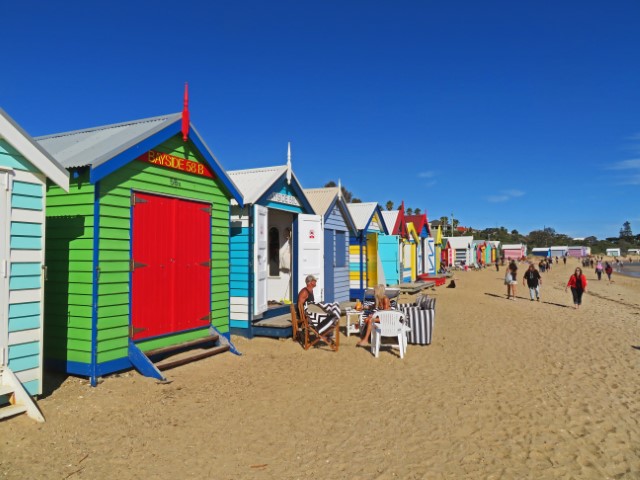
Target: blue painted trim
<point x="294" y="266"/>
<point x="346" y="215"/>
<point x="142" y="363"/>
<point x="250" y="282"/>
<point x="225" y="338"/>
<point x="229" y="276"/>
<point x="382" y="223"/>
<point x="272" y="332"/>
<point x="95" y="279"/>
<point x="362" y="236"/>
<point x="297" y="189"/>
<point x="85" y="369"/>
<point x="131" y="233"/>
<point x="123" y="158"/>
<point x="215" y="166"/>
<point x="241" y="332"/>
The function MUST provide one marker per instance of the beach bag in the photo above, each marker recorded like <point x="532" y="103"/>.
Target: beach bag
<point x="508" y="278"/>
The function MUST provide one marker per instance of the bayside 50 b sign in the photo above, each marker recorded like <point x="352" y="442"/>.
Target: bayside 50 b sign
<point x="176" y="163"/>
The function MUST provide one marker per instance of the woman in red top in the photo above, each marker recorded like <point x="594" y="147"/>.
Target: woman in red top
<point x="578" y="284"/>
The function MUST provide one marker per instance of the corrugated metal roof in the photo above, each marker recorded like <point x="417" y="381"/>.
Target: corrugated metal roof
<point x="390" y="218"/>
<point x="513" y="246"/>
<point x="362" y="213"/>
<point x="94" y="146"/>
<point x="254" y="182"/>
<point x="321" y="198"/>
<point x="459" y="242"/>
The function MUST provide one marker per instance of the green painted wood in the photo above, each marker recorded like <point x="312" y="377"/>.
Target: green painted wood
<point x="69" y="254"/>
<point x="171" y="340"/>
<point x="72" y="249"/>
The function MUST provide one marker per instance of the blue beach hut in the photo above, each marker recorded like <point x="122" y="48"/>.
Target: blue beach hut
<point x="338" y="226"/>
<point x="276" y="241"/>
<point x="24" y="170"/>
<point x="390" y="247"/>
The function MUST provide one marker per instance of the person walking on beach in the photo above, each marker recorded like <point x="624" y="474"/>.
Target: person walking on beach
<point x="534" y="280"/>
<point x="578" y="284"/>
<point x="599" y="269"/>
<point x="608" y="269"/>
<point x="510" y="280"/>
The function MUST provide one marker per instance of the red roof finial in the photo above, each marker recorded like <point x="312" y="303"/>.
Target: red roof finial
<point x="185" y="113"/>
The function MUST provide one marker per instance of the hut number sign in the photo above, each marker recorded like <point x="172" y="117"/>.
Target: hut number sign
<point x="283" y="198"/>
<point x="176" y="163"/>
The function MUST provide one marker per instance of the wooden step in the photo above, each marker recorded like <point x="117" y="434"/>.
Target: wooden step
<point x="11" y="410"/>
<point x="6" y="390"/>
<point x="182" y="346"/>
<point x="199" y="355"/>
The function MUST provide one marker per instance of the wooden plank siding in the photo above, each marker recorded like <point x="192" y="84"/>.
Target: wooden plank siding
<point x="115" y="252"/>
<point x="335" y="221"/>
<point x="24" y="232"/>
<point x="240" y="253"/>
<point x="69" y="248"/>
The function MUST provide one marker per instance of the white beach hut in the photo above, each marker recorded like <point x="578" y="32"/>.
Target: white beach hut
<point x="24" y="170"/>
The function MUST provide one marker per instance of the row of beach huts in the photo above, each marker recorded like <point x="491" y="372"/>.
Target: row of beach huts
<point x="145" y="243"/>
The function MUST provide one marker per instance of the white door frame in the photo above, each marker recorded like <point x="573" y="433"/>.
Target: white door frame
<point x="5" y="232"/>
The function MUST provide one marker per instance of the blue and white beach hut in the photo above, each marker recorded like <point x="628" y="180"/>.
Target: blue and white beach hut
<point x="24" y="170"/>
<point x="558" y="251"/>
<point x="364" y="263"/>
<point x="276" y="241"/>
<point x="338" y="226"/>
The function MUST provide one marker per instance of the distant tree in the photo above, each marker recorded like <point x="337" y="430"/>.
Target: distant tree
<point x="444" y="220"/>
<point x="590" y="240"/>
<point x="625" y="231"/>
<point x="346" y="194"/>
<point x="389" y="205"/>
<point x="417" y="211"/>
<point x="409" y="211"/>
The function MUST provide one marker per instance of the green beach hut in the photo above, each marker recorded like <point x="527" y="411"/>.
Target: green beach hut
<point x="138" y="248"/>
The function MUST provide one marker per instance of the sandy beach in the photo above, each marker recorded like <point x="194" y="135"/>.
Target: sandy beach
<point x="508" y="389"/>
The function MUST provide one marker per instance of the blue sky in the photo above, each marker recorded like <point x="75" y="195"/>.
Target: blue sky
<point x="515" y="114"/>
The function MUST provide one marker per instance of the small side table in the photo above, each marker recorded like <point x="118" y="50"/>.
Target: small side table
<point x="353" y="321"/>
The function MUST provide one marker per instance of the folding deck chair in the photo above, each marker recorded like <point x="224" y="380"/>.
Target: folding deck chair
<point x="307" y="334"/>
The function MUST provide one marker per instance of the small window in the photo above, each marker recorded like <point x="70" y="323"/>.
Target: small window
<point x="274" y="251"/>
<point x="341" y="249"/>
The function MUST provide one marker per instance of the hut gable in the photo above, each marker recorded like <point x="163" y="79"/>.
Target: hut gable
<point x="108" y="148"/>
<point x="269" y="186"/>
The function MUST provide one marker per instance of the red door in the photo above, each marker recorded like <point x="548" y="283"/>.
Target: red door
<point x="171" y="251"/>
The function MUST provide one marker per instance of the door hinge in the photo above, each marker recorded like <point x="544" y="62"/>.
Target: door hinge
<point x="5" y="266"/>
<point x="206" y="209"/>
<point x="45" y="270"/>
<point x="135" y="330"/>
<point x="133" y="265"/>
<point x="208" y="264"/>
<point x="206" y="318"/>
<point x="135" y="200"/>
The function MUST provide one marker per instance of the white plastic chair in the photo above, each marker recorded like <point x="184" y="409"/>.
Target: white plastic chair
<point x="392" y="324"/>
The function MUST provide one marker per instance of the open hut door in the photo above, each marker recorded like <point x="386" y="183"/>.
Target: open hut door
<point x="431" y="256"/>
<point x="311" y="252"/>
<point x="260" y="259"/>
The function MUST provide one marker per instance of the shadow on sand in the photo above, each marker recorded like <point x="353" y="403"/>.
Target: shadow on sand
<point x="527" y="299"/>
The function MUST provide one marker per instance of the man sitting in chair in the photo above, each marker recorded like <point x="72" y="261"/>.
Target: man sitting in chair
<point x="322" y="322"/>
